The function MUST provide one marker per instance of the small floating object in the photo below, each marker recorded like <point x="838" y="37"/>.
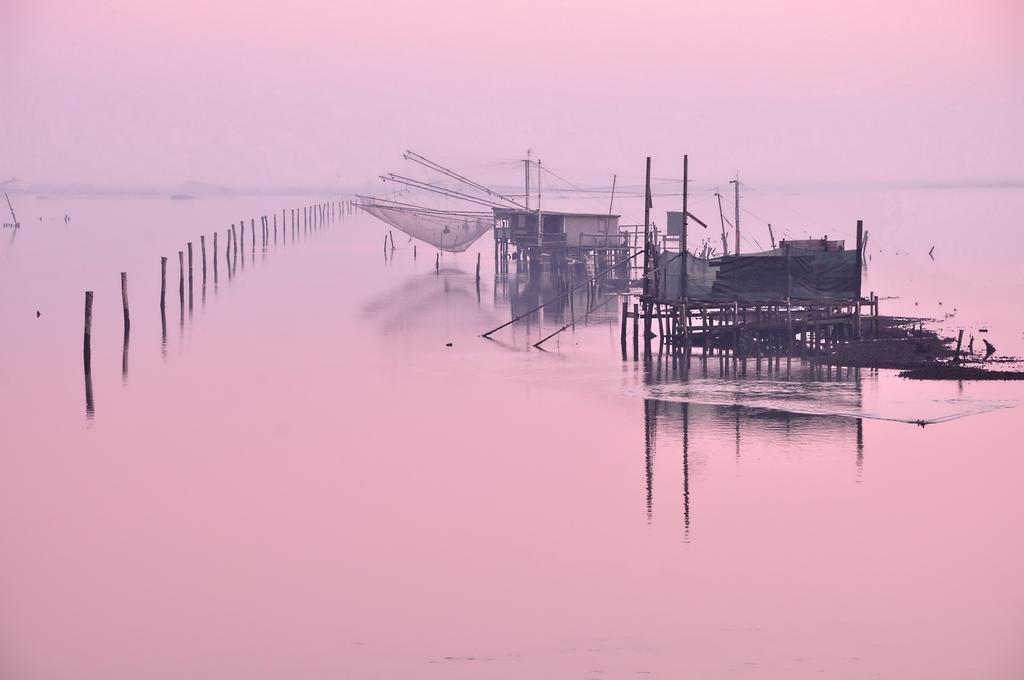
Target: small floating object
<point x="983" y="330"/>
<point x="447" y="344"/>
<point x="38" y="314"/>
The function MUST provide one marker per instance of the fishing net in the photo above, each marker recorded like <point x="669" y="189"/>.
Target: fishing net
<point x="446" y="230"/>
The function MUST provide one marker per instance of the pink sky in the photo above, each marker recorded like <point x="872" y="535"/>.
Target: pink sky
<point x="267" y="93"/>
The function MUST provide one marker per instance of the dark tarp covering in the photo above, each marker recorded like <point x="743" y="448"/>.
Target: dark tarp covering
<point x="802" y="275"/>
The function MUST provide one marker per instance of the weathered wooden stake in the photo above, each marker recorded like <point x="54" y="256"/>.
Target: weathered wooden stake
<point x="163" y="283"/>
<point x="478" y="269"/>
<point x="437" y="263"/>
<point x="87" y="356"/>
<point x="214" y="257"/>
<point x="181" y="278"/>
<point x="636" y="331"/>
<point x="87" y="338"/>
<point x="202" y="247"/>
<point x="622" y="331"/>
<point x="124" y="301"/>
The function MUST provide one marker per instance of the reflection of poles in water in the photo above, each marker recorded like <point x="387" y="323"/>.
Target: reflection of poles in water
<point x="686" y="470"/>
<point x="738" y="433"/>
<point x="650" y="435"/>
<point x="124" y="359"/>
<point x="90" y="409"/>
<point x="860" y="447"/>
<point x="181" y="286"/>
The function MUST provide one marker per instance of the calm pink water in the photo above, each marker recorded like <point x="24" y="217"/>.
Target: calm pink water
<point x="307" y="483"/>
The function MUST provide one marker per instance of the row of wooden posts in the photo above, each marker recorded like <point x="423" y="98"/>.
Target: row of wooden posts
<point x="294" y="223"/>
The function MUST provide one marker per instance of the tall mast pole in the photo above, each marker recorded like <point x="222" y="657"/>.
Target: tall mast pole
<point x="526" y="167"/>
<point x="736" y="182"/>
<point x="647" y="225"/>
<point x="540" y="227"/>
<point x="686" y="180"/>
<point x="612" y="202"/>
<point x="683" y="236"/>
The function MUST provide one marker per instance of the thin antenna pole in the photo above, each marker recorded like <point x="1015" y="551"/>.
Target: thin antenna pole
<point x="612" y="202"/>
<point x="771" y="235"/>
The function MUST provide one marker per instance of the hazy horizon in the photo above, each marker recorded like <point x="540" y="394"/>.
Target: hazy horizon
<point x="315" y="95"/>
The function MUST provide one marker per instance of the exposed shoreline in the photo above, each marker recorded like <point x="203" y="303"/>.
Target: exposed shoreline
<point x="906" y="345"/>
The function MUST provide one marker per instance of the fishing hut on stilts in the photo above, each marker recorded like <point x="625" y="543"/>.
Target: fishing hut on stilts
<point x="800" y="298"/>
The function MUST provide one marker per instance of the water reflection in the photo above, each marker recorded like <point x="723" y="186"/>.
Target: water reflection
<point x="684" y="417"/>
<point x="124" y="357"/>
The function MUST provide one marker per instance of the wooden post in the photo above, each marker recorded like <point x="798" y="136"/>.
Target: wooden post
<point x="202" y="247"/>
<point x="215" y="257"/>
<point x="87" y="338"/>
<point x="478" y="269"/>
<point x="242" y="229"/>
<point x="736" y="329"/>
<point x="124" y="302"/>
<point x="572" y="307"/>
<point x="190" y="278"/>
<point x="874" y="314"/>
<point x="414" y="252"/>
<point x="860" y="248"/>
<point x="789" y="325"/>
<point x="636" y="330"/>
<point x="163" y="283"/>
<point x="252" y="232"/>
<point x="392" y="237"/>
<point x="181" y="276"/>
<point x="622" y="330"/>
<point x="437" y="262"/>
<point x="87" y="356"/>
<point x="959" y="341"/>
